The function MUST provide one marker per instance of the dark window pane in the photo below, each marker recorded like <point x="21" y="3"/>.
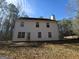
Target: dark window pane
<point x="37" y="24"/>
<point x="23" y="34"/>
<point x="22" y="24"/>
<point x="28" y="35"/>
<point x="49" y="34"/>
<point x="39" y="34"/>
<point x="48" y="25"/>
<point x="19" y="34"/>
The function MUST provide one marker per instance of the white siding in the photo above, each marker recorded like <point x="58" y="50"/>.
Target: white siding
<point x="30" y="26"/>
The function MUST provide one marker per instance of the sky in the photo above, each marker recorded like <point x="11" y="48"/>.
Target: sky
<point x="45" y="8"/>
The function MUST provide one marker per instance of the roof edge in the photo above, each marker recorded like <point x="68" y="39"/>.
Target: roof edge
<point x="31" y="18"/>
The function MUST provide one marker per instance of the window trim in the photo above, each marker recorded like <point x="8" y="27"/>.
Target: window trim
<point x="49" y="34"/>
<point x="21" y="35"/>
<point x="37" y="24"/>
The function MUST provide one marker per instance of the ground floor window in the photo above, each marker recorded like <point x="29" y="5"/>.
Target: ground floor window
<point x="28" y="35"/>
<point x="49" y="34"/>
<point x="39" y="35"/>
<point x="21" y="34"/>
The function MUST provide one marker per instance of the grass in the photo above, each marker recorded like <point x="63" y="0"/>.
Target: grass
<point x="45" y="51"/>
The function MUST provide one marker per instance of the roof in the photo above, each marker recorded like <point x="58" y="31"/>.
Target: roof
<point x="28" y="18"/>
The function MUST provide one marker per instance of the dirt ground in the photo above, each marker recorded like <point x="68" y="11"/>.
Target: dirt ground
<point x="44" y="51"/>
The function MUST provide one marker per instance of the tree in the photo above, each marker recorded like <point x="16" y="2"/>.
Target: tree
<point x="75" y="26"/>
<point x="3" y="14"/>
<point x="65" y="27"/>
<point x="12" y="16"/>
<point x="74" y="9"/>
<point x="12" y="13"/>
<point x="6" y="26"/>
<point x="9" y="15"/>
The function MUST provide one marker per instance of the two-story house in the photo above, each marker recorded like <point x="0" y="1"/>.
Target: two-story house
<point x="35" y="29"/>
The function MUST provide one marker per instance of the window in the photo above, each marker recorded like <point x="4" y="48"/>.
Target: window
<point x="21" y="34"/>
<point x="39" y="34"/>
<point x="49" y="34"/>
<point x="28" y="35"/>
<point x="37" y="24"/>
<point x="22" y="24"/>
<point x="47" y="25"/>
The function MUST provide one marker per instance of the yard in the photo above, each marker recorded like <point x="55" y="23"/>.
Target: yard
<point x="44" y="51"/>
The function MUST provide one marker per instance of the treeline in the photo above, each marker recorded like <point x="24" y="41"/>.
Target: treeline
<point x="69" y="27"/>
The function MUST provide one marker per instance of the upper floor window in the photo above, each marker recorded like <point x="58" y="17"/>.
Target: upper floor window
<point x="47" y="25"/>
<point x="39" y="35"/>
<point x="49" y="34"/>
<point x="22" y="24"/>
<point x="37" y="24"/>
<point x="21" y="34"/>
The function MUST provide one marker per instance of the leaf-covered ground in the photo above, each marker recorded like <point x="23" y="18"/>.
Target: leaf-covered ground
<point x="45" y="51"/>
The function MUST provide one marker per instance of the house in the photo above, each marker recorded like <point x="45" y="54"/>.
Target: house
<point x="35" y="29"/>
